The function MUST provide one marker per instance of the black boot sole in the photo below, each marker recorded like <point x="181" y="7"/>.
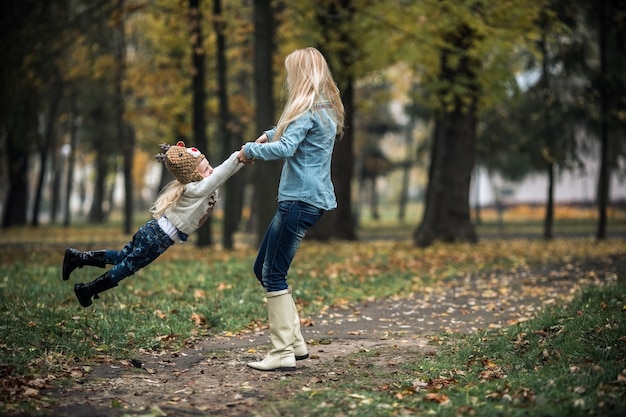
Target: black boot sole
<point x="67" y="268"/>
<point x="84" y="301"/>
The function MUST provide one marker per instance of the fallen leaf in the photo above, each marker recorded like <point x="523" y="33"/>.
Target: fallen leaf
<point x="437" y="398"/>
<point x="198" y="319"/>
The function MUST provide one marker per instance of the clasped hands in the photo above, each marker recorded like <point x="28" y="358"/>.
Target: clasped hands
<point x="241" y="155"/>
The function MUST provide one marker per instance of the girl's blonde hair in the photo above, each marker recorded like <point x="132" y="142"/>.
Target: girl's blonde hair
<point x="169" y="196"/>
<point x="309" y="82"/>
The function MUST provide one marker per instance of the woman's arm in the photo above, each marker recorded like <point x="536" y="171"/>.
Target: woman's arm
<point x="283" y="148"/>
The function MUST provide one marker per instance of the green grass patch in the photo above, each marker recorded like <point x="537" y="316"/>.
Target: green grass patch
<point x="570" y="360"/>
<point x="191" y="292"/>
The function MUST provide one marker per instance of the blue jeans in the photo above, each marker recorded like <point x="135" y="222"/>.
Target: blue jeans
<point x="148" y="243"/>
<point x="281" y="242"/>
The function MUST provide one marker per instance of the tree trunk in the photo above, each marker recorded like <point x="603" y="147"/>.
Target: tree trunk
<point x="447" y="212"/>
<point x="549" y="219"/>
<point x="339" y="223"/>
<point x="17" y="196"/>
<point x="71" y="159"/>
<point x="128" y="148"/>
<point x="374" y="199"/>
<point x="124" y="132"/>
<point x="343" y="169"/>
<point x="547" y="115"/>
<point x="406" y="170"/>
<point x="267" y="174"/>
<point x="56" y="168"/>
<point x="232" y="189"/>
<point x="96" y="214"/>
<point x="604" y="177"/>
<point x="199" y="99"/>
<point x="57" y="175"/>
<point x="46" y="147"/>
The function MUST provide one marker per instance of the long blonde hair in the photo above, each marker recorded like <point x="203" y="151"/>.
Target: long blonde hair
<point x="309" y="81"/>
<point x="168" y="196"/>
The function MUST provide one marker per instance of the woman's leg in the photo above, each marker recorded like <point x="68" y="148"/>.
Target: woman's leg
<point x="282" y="240"/>
<point x="260" y="258"/>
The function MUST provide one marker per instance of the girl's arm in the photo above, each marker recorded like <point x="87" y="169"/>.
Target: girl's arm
<point x="219" y="176"/>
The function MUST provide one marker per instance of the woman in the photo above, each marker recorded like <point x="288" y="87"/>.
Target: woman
<point x="304" y="138"/>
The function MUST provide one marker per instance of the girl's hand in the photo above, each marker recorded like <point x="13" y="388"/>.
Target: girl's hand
<point x="262" y="139"/>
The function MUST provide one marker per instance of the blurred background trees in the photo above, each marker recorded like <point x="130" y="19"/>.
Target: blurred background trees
<point x="435" y="92"/>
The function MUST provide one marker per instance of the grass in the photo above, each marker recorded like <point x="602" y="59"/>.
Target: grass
<point x="570" y="358"/>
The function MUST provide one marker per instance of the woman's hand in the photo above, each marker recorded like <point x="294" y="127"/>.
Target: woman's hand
<point x="262" y="139"/>
<point x="241" y="156"/>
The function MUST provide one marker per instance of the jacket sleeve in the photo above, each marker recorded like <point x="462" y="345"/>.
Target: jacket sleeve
<point x="270" y="133"/>
<point x="219" y="176"/>
<point x="286" y="146"/>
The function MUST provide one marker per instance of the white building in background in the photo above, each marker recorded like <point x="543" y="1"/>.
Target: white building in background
<point x="577" y="186"/>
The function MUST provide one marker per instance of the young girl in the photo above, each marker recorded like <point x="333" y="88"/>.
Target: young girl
<point x="181" y="208"/>
<point x="304" y="138"/>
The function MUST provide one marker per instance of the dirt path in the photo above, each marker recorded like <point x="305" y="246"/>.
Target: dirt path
<point x="211" y="377"/>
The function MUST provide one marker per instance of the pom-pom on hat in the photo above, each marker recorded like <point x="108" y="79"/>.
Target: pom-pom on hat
<point x="181" y="161"/>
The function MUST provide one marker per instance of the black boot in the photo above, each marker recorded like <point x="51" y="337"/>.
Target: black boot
<point x="76" y="259"/>
<point x="84" y="292"/>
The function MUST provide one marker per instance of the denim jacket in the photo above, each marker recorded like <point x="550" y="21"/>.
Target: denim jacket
<point x="306" y="146"/>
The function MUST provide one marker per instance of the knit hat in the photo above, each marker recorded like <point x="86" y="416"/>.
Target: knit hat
<point x="181" y="161"/>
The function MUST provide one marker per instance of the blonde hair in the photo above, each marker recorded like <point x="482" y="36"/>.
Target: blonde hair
<point x="168" y="196"/>
<point x="309" y="82"/>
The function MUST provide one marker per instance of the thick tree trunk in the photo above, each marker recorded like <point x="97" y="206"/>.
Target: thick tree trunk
<point x="231" y="192"/>
<point x="15" y="204"/>
<point x="339" y="223"/>
<point x="266" y="173"/>
<point x="128" y="147"/>
<point x="199" y="98"/>
<point x="447" y="212"/>
<point x="46" y="147"/>
<point x="343" y="169"/>
<point x="125" y="133"/>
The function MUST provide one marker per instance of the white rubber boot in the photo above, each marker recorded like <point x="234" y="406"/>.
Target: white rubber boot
<point x="299" y="346"/>
<point x="282" y="326"/>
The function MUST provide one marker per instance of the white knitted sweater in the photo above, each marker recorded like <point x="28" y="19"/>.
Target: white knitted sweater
<point x="196" y="203"/>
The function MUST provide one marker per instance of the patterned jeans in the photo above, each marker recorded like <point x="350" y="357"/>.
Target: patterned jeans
<point x="148" y="243"/>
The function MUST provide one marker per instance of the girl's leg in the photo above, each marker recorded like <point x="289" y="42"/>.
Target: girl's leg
<point x="114" y="257"/>
<point x="147" y="244"/>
